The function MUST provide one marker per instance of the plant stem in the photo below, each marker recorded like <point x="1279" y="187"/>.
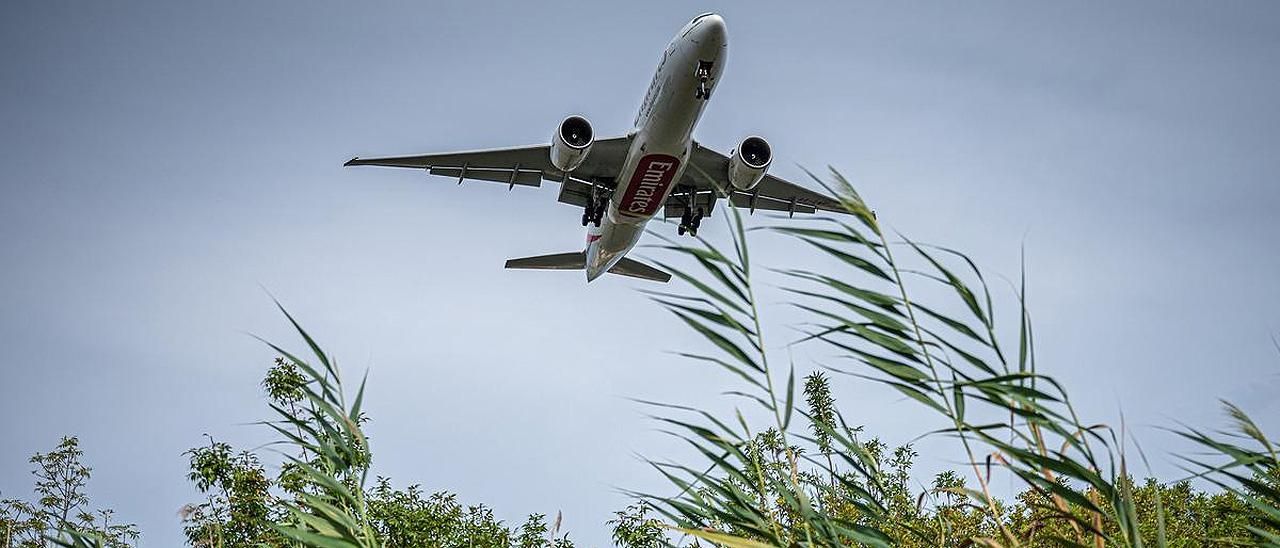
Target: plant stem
<point x="959" y="425"/>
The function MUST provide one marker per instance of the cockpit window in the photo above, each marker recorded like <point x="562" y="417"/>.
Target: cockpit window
<point x="694" y="23"/>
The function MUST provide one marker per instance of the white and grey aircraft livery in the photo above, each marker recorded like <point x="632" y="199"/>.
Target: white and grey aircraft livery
<point x="623" y="182"/>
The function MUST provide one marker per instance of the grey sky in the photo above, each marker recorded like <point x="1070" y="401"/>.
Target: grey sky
<point x="166" y="161"/>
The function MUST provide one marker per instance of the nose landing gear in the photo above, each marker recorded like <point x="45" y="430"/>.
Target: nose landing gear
<point x="704" y="78"/>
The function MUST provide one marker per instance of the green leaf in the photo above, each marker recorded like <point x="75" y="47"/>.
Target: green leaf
<point x="853" y="260"/>
<point x="703" y="287"/>
<point x="720" y="341"/>
<point x="791" y="397"/>
<point x="956" y="283"/>
<point x="725" y="539"/>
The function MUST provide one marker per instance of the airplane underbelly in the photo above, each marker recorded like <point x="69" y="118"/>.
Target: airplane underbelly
<point x="659" y="153"/>
<point x="647" y="188"/>
<point x="611" y="244"/>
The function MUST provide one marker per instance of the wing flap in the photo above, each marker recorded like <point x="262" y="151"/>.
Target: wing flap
<point x="497" y="175"/>
<point x="754" y="202"/>
<point x="575" y="193"/>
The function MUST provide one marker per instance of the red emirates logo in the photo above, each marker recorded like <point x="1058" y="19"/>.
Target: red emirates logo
<point x="649" y="185"/>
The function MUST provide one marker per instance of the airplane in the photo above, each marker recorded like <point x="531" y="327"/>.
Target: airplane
<point x="624" y="182"/>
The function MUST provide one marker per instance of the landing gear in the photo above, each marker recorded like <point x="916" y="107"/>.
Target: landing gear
<point x="691" y="219"/>
<point x="593" y="213"/>
<point x="704" y="80"/>
<point x="689" y="222"/>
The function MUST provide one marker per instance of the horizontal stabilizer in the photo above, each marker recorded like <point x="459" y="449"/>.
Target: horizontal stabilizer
<point x="578" y="261"/>
<point x="558" y="261"/>
<point x="637" y="269"/>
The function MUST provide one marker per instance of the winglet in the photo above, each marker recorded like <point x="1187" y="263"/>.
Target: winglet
<point x="351" y="162"/>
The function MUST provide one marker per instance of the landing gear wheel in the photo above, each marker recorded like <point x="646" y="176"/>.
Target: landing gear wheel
<point x="593" y="212"/>
<point x="689" y="223"/>
<point x="598" y="214"/>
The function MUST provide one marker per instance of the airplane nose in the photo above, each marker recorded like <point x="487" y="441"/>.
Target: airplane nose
<point x="712" y="27"/>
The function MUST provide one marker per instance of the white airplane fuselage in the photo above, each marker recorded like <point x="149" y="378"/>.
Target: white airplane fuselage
<point x="690" y="68"/>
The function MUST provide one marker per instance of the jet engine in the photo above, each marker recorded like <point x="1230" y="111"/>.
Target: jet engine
<point x="749" y="162"/>
<point x="570" y="144"/>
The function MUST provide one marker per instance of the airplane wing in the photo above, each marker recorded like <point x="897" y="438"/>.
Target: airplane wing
<point x="526" y="166"/>
<point x="708" y="173"/>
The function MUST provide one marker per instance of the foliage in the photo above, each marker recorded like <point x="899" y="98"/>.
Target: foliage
<point x="407" y="518"/>
<point x="62" y="505"/>
<point x="780" y="484"/>
<point x="805" y="476"/>
<point x="634" y="528"/>
<point x="319" y="497"/>
<point x="1251" y="472"/>
<point x="22" y="523"/>
<point x="239" y="507"/>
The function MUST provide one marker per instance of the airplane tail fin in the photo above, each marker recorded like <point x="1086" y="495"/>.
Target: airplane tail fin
<point x="578" y="261"/>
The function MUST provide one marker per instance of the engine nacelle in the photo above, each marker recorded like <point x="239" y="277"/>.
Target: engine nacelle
<point x="749" y="162"/>
<point x="571" y="143"/>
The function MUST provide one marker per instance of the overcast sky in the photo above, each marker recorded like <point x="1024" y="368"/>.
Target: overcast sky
<point x="167" y="164"/>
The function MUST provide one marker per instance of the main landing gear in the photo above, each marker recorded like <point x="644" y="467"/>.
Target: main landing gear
<point x="689" y="222"/>
<point x="593" y="213"/>
<point x="691" y="219"/>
